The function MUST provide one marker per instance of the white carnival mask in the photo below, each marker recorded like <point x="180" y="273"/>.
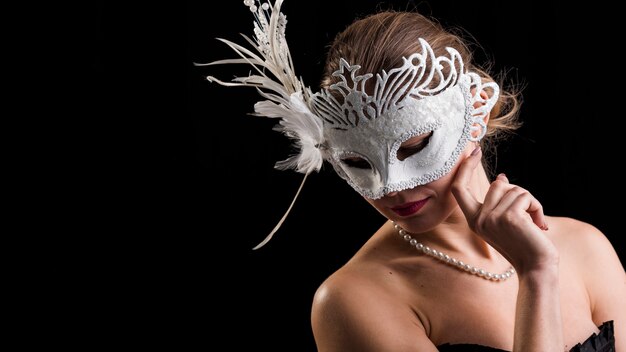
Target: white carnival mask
<point x="408" y="101"/>
<point x="427" y="94"/>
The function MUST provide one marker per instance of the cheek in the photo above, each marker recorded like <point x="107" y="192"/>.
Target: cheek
<point x="445" y="182"/>
<point x="381" y="205"/>
<point x="443" y="185"/>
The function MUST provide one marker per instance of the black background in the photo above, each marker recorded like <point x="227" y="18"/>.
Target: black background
<point x="185" y="180"/>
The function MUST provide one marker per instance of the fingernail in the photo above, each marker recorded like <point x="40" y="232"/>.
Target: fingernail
<point x="545" y="227"/>
<point x="475" y="151"/>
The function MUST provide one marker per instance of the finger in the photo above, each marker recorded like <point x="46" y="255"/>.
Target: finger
<point x="497" y="190"/>
<point x="535" y="209"/>
<point x="518" y="199"/>
<point x="510" y="196"/>
<point x="460" y="186"/>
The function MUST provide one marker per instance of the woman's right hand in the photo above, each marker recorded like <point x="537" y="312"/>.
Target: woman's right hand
<point x="510" y="219"/>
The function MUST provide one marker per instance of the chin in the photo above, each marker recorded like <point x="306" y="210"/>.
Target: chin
<point x="416" y="227"/>
<point x="424" y="221"/>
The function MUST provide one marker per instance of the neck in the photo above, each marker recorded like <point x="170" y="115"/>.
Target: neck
<point x="454" y="235"/>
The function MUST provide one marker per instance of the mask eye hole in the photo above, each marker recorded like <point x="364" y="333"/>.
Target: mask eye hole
<point x="357" y="163"/>
<point x="413" y="145"/>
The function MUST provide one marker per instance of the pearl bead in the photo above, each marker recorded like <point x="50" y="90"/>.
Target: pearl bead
<point x="448" y="259"/>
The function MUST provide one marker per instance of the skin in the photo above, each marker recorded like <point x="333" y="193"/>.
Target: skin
<point x="389" y="297"/>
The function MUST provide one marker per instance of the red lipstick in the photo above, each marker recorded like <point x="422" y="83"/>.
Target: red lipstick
<point x="409" y="208"/>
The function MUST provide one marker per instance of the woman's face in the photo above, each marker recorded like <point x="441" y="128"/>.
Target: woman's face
<point x="422" y="208"/>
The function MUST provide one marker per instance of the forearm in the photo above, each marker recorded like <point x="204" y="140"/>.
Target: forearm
<point x="538" y="325"/>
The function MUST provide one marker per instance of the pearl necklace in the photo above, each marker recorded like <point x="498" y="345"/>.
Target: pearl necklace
<point x="452" y="261"/>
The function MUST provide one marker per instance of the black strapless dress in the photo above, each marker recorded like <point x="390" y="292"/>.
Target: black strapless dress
<point x="604" y="341"/>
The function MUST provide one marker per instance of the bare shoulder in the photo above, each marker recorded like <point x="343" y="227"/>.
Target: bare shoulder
<point x="351" y="311"/>
<point x="348" y="287"/>
<point x="342" y="297"/>
<point x="584" y="247"/>
<point x="578" y="238"/>
<point x="340" y="293"/>
<point x="587" y="251"/>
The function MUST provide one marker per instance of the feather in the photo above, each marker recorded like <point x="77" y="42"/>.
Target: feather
<point x="309" y="133"/>
<point x="286" y="96"/>
<point x="287" y="99"/>
<point x="282" y="220"/>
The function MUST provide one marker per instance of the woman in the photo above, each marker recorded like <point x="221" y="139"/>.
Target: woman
<point x="403" y="117"/>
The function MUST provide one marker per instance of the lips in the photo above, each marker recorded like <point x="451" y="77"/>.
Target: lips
<point x="409" y="208"/>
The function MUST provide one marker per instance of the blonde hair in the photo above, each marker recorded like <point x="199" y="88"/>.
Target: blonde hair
<point x="380" y="41"/>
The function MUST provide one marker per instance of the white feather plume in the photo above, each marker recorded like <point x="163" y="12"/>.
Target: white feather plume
<point x="288" y="100"/>
<point x="287" y="97"/>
